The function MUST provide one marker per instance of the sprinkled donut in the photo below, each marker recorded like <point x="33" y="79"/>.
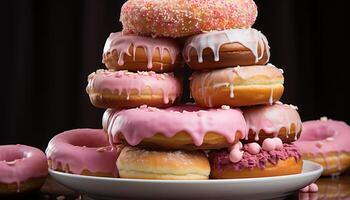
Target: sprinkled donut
<point x="326" y="142"/>
<point x="123" y="89"/>
<point x="22" y="169"/>
<point x="178" y="127"/>
<point x="83" y="151"/>
<point x="278" y="120"/>
<point x="220" y="49"/>
<point x="138" y="53"/>
<point x="252" y="160"/>
<point x="238" y="86"/>
<point x="179" y="18"/>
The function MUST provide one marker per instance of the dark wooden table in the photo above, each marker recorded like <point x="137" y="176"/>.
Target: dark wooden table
<point x="330" y="188"/>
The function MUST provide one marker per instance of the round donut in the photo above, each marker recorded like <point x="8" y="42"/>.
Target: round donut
<point x="138" y="53"/>
<point x="139" y="163"/>
<point x="278" y="120"/>
<point x="83" y="151"/>
<point x="179" y="127"/>
<point x="179" y="18"/>
<point x="327" y="143"/>
<point x="22" y="169"/>
<point x="238" y="86"/>
<point x="253" y="164"/>
<point x="123" y="89"/>
<point x="220" y="49"/>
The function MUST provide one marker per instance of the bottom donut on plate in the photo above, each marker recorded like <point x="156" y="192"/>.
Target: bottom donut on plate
<point x="140" y="163"/>
<point x="255" y="162"/>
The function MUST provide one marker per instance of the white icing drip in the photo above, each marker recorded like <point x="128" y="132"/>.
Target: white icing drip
<point x="271" y="97"/>
<point x="232" y="95"/>
<point x="249" y="38"/>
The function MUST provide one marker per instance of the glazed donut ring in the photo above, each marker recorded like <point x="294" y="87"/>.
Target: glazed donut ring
<point x="22" y="169"/>
<point x="179" y="18"/>
<point x="123" y="89"/>
<point x="264" y="164"/>
<point x="137" y="53"/>
<point x="327" y="143"/>
<point x="278" y="120"/>
<point x="83" y="151"/>
<point x="179" y="127"/>
<point x="333" y="162"/>
<point x="227" y="48"/>
<point x="239" y="86"/>
<point x="139" y="163"/>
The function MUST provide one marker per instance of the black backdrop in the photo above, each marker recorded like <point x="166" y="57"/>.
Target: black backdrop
<point x="49" y="47"/>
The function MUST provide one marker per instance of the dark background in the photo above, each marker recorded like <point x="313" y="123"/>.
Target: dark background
<point x="49" y="47"/>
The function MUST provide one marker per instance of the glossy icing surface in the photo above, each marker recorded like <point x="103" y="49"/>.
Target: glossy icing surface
<point x="249" y="38"/>
<point x="323" y="136"/>
<point x="271" y="119"/>
<point x="18" y="163"/>
<point x="82" y="149"/>
<point x="144" y="122"/>
<point x="123" y="43"/>
<point x="118" y="82"/>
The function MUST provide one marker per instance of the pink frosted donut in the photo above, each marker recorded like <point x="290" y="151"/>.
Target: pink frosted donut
<point x="139" y="53"/>
<point x="277" y="120"/>
<point x="123" y="89"/>
<point x="22" y="169"/>
<point x="83" y="151"/>
<point x="179" y="127"/>
<point x="179" y="18"/>
<point x="327" y="143"/>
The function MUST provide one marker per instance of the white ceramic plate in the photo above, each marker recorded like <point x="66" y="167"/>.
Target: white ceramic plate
<point x="252" y="188"/>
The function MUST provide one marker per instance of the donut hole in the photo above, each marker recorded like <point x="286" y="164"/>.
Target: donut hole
<point x="319" y="133"/>
<point x="12" y="155"/>
<point x="89" y="142"/>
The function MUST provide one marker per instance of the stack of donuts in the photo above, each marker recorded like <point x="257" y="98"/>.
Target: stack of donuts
<point x="237" y="127"/>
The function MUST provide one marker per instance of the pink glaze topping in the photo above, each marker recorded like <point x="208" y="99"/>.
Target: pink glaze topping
<point x="313" y="187"/>
<point x="123" y="81"/>
<point x="122" y="44"/>
<point x="272" y="118"/>
<point x="324" y="136"/>
<point x="144" y="122"/>
<point x="179" y="18"/>
<point x="270" y="144"/>
<point x="253" y="148"/>
<point x="220" y="159"/>
<point x="249" y="38"/>
<point x="19" y="163"/>
<point x="83" y="149"/>
<point x="236" y="154"/>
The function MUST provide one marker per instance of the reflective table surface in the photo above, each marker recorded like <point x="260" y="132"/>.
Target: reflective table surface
<point x="329" y="188"/>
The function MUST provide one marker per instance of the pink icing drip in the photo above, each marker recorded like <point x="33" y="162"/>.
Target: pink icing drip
<point x="318" y="131"/>
<point x="83" y="149"/>
<point x="119" y="81"/>
<point x="18" y="163"/>
<point x="122" y="43"/>
<point x="139" y="123"/>
<point x="272" y="118"/>
<point x="250" y="38"/>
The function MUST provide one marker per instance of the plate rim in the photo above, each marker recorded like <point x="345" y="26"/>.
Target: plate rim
<point x="318" y="169"/>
